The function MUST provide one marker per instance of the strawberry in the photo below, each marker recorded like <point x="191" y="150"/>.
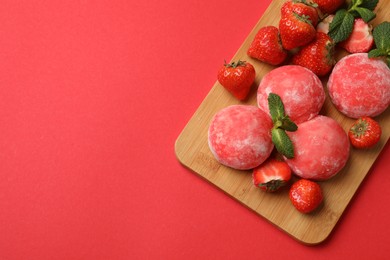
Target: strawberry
<point x="364" y="133"/>
<point x="301" y="7"/>
<point x="267" y="47"/>
<point x="328" y="6"/>
<point x="318" y="56"/>
<point x="296" y="31"/>
<point x="305" y="195"/>
<point x="271" y="175"/>
<point x="361" y="39"/>
<point x="237" y="78"/>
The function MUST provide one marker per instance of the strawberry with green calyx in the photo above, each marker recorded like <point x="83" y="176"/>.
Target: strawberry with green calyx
<point x="382" y="41"/>
<point x="342" y="25"/>
<point x="296" y="31"/>
<point x="267" y="47"/>
<point x="237" y="78"/>
<point x="282" y="123"/>
<point x="301" y="7"/>
<point x="365" y="133"/>
<point x="317" y="56"/>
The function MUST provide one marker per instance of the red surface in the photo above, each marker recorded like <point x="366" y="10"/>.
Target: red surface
<point x="93" y="96"/>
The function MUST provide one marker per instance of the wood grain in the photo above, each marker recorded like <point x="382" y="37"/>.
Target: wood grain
<point x="193" y="152"/>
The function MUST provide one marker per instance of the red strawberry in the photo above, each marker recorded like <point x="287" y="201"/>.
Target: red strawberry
<point x="361" y="39"/>
<point x="364" y="133"/>
<point x="267" y="47"/>
<point x="296" y="31"/>
<point x="328" y="6"/>
<point x="305" y="195"/>
<point x="237" y="78"/>
<point x="271" y="175"/>
<point x="300" y="7"/>
<point x="318" y="56"/>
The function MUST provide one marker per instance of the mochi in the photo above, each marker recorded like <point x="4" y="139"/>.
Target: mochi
<point x="359" y="86"/>
<point x="239" y="136"/>
<point x="300" y="90"/>
<point x="321" y="149"/>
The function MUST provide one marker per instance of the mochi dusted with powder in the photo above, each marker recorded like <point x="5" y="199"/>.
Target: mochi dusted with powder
<point x="359" y="86"/>
<point x="239" y="136"/>
<point x="300" y="89"/>
<point x="321" y="149"/>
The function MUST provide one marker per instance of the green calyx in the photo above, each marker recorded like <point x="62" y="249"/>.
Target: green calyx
<point x="305" y="2"/>
<point x="235" y="64"/>
<point x="342" y="25"/>
<point x="303" y="18"/>
<point x="272" y="185"/>
<point x="281" y="124"/>
<point x="360" y="128"/>
<point x="382" y="42"/>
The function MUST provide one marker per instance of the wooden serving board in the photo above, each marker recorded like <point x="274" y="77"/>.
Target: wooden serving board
<point x="192" y="151"/>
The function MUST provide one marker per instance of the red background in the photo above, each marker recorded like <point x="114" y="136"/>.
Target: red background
<point x="93" y="96"/>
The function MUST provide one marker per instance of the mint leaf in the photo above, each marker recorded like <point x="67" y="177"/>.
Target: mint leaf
<point x="366" y="14"/>
<point x="382" y="42"/>
<point x="337" y="20"/>
<point x="369" y="4"/>
<point x="288" y="125"/>
<point x="276" y="107"/>
<point x="377" y="53"/>
<point x="342" y="28"/>
<point x="282" y="142"/>
<point x="381" y="36"/>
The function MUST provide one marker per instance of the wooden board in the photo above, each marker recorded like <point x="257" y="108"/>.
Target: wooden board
<point x="193" y="152"/>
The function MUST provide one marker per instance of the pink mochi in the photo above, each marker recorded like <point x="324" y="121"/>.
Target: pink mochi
<point x="359" y="86"/>
<point x="300" y="89"/>
<point x="321" y="149"/>
<point x="239" y="136"/>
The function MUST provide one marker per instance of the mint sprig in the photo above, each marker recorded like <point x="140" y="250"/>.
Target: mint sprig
<point x="282" y="123"/>
<point x="342" y="25"/>
<point x="382" y="42"/>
